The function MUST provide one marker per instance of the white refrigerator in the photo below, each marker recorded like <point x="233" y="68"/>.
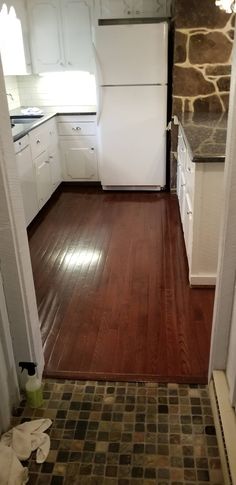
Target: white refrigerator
<point x="132" y="105"/>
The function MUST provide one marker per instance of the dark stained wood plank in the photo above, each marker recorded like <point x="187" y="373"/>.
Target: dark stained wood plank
<point x="111" y="282"/>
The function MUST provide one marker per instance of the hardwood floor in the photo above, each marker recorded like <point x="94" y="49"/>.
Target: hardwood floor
<point x="111" y="282"/>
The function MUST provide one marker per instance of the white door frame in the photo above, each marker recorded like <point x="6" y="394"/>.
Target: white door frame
<point x="15" y="260"/>
<point x="224" y="297"/>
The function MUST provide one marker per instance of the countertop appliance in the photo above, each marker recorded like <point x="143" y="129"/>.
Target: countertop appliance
<point x="132" y="104"/>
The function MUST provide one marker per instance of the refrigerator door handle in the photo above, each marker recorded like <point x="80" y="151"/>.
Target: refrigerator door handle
<point x="99" y="83"/>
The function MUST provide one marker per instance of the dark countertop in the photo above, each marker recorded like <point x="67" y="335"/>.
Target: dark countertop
<point x="205" y="135"/>
<point x="20" y="130"/>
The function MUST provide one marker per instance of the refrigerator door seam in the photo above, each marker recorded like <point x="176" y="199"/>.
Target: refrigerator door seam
<point x="130" y="85"/>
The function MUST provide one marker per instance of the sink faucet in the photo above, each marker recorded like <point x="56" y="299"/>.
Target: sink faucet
<point x="9" y="94"/>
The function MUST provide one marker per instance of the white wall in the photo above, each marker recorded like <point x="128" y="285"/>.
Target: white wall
<point x="57" y="89"/>
<point x="8" y="379"/>
<point x="12" y="88"/>
<point x="14" y="251"/>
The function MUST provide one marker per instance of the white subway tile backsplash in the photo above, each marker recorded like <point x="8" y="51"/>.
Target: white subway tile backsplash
<point x="12" y="90"/>
<point x="52" y="89"/>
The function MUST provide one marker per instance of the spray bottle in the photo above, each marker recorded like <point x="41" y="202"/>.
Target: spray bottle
<point x="33" y="387"/>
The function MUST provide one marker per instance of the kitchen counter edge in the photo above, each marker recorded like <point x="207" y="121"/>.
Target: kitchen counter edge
<point x="196" y="157"/>
<point x="31" y="126"/>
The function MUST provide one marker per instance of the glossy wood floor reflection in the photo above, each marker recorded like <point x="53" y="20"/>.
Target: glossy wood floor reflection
<point x="111" y="282"/>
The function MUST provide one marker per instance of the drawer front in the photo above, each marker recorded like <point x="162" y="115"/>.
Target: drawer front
<point x="21" y="144"/>
<point x="76" y="118"/>
<point x="38" y="140"/>
<point x="77" y="128"/>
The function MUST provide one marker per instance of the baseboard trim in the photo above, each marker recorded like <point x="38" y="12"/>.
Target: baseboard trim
<point x="202" y="280"/>
<point x="225" y="423"/>
<point x="148" y="188"/>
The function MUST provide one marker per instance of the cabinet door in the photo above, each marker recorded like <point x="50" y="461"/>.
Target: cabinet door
<point x="43" y="178"/>
<point x="46" y="42"/>
<point x="11" y="42"/>
<point x="79" y="159"/>
<point x="55" y="166"/>
<point x="115" y="9"/>
<point x="179" y="171"/>
<point x="187" y="226"/>
<point x="28" y="184"/>
<point x="54" y="155"/>
<point x="149" y="8"/>
<point x="77" y="35"/>
<point x="182" y="195"/>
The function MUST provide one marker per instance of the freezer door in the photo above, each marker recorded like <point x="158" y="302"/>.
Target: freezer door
<point x="132" y="54"/>
<point x="132" y="136"/>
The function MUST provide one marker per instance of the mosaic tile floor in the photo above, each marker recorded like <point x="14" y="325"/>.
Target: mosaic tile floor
<point x="126" y="434"/>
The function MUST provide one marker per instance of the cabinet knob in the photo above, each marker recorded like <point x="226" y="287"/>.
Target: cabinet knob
<point x="50" y="156"/>
<point x="47" y="161"/>
<point x="182" y="185"/>
<point x="38" y="141"/>
<point x="69" y="63"/>
<point x="189" y="212"/>
<point x="92" y="149"/>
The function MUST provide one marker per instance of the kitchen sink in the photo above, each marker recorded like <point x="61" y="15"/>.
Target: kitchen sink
<point x="25" y="119"/>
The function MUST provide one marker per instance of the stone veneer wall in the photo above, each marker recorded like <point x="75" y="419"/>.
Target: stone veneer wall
<point x="203" y="39"/>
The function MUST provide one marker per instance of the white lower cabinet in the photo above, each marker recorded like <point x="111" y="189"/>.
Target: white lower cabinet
<point x="187" y="220"/>
<point x="43" y="163"/>
<point x="55" y="167"/>
<point x="43" y="178"/>
<point x="27" y="178"/>
<point x="79" y="160"/>
<point x="200" y="195"/>
<point x="78" y="148"/>
<point x="54" y="154"/>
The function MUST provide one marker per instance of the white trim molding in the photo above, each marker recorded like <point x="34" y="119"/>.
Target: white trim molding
<point x="14" y="251"/>
<point x="225" y="423"/>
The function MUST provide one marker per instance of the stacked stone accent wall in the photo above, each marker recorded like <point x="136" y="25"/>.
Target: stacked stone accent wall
<point x="202" y="56"/>
<point x="203" y="40"/>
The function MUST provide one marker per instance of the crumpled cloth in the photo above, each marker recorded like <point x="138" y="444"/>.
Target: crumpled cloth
<point x="11" y="470"/>
<point x="28" y="437"/>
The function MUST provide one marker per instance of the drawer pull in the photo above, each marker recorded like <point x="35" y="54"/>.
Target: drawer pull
<point x="189" y="212"/>
<point x="189" y="169"/>
<point x="50" y="156"/>
<point x="76" y="128"/>
<point x="37" y="141"/>
<point x="182" y="185"/>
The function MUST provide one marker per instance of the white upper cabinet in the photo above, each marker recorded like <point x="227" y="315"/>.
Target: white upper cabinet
<point x="108" y="9"/>
<point x="60" y="35"/>
<point x="14" y="38"/>
<point x="77" y="35"/>
<point x="46" y="41"/>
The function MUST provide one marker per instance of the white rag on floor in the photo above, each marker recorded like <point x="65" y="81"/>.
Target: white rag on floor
<point x="11" y="470"/>
<point x="21" y="441"/>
